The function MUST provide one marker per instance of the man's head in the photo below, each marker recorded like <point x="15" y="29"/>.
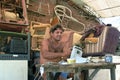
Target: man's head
<point x="56" y="32"/>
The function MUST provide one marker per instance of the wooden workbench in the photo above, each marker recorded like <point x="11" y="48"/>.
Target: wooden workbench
<point x="78" y="67"/>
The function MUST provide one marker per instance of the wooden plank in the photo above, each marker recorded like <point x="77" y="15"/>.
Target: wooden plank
<point x="78" y="67"/>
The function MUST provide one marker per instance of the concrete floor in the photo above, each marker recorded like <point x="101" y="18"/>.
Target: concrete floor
<point x="104" y="74"/>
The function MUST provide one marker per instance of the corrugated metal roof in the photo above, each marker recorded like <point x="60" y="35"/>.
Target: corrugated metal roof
<point x="105" y="8"/>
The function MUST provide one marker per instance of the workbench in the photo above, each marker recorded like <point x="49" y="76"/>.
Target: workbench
<point x="76" y="68"/>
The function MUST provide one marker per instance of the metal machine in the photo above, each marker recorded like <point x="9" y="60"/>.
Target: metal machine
<point x="14" y="55"/>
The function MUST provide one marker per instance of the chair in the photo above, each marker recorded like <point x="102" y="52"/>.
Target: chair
<point x="64" y="14"/>
<point x="106" y="43"/>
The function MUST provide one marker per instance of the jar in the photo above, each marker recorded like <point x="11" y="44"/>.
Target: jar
<point x="108" y="58"/>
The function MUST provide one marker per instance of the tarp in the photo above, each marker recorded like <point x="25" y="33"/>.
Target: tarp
<point x="105" y="8"/>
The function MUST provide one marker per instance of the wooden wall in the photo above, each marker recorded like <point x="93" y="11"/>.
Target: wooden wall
<point x="41" y="10"/>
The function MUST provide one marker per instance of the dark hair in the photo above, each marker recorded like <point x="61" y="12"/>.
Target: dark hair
<point x="58" y="26"/>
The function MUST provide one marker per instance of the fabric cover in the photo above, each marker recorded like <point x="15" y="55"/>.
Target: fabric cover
<point x="106" y="44"/>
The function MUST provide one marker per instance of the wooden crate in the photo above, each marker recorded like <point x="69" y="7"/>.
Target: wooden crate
<point x="39" y="31"/>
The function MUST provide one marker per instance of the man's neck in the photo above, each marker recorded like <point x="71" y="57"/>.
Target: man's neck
<point x="55" y="41"/>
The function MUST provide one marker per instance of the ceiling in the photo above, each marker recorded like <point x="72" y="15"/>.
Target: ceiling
<point x="101" y="8"/>
<point x="105" y="8"/>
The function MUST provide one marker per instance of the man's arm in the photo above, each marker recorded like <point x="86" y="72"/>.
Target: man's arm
<point x="67" y="50"/>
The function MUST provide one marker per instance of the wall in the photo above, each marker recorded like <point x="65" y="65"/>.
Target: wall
<point x="43" y="11"/>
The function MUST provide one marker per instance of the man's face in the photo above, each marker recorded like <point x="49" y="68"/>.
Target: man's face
<point x="56" y="35"/>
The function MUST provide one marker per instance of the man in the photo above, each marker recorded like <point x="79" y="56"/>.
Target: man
<point x="54" y="49"/>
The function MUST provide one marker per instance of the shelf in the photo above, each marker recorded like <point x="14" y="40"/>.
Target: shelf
<point x="14" y="57"/>
<point x="41" y="26"/>
<point x="13" y="34"/>
<point x="36" y="49"/>
<point x="41" y="36"/>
